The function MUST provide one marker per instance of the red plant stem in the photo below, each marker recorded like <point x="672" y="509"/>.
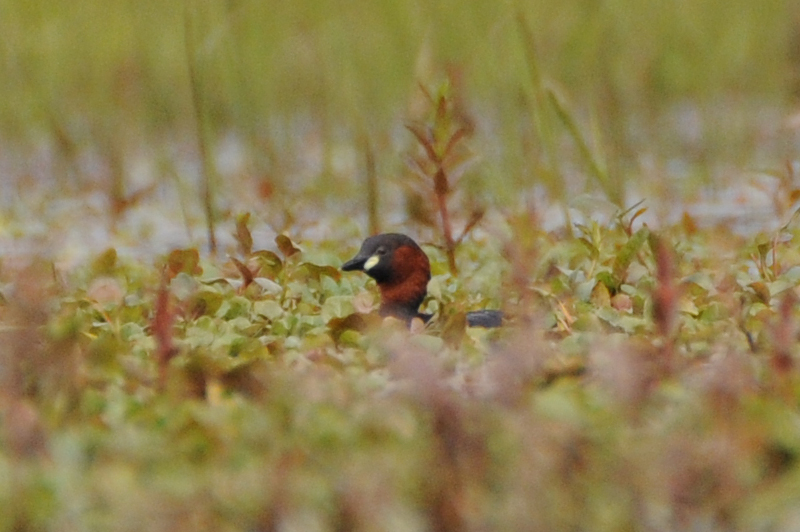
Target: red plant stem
<point x="163" y="321"/>
<point x="665" y="300"/>
<point x="783" y="336"/>
<point x="440" y="187"/>
<point x="775" y="257"/>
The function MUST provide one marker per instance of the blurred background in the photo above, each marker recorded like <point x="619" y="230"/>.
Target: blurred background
<point x="156" y="115"/>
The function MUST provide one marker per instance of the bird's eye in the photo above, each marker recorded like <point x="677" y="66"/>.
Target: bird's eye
<point x="381" y="251"/>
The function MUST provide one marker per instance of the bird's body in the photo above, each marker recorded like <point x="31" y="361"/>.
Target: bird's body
<point x="402" y="271"/>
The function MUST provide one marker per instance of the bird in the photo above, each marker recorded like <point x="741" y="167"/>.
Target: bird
<point x="402" y="271"/>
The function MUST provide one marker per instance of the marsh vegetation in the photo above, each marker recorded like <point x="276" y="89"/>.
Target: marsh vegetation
<point x="182" y="181"/>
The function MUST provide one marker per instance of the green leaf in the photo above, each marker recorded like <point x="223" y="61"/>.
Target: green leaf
<point x="435" y="287"/>
<point x="206" y="302"/>
<point x="583" y="291"/>
<point x="307" y="271"/>
<point x="628" y="252"/>
<point x="622" y="321"/>
<point x="183" y="286"/>
<point x="105" y="263"/>
<point x="268" y="286"/>
<point x="779" y="286"/>
<point x="286" y="246"/>
<point x="269" y="264"/>
<point x="270" y="309"/>
<point x="600" y="296"/>
<point x="243" y="237"/>
<point x="184" y="261"/>
<point x="611" y="281"/>
<point x="337" y="307"/>
<point x="700" y="279"/>
<point x="792" y="275"/>
<point x="234" y="307"/>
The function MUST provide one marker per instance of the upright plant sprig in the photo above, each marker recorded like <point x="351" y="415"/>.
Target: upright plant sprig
<point x="442" y="161"/>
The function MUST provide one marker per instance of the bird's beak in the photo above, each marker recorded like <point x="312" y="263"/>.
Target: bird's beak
<point x="356" y="263"/>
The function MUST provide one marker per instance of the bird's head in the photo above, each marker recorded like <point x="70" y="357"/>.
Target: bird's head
<point x="401" y="269"/>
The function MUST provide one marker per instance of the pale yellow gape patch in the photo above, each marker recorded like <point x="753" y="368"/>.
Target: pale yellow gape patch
<point x="371" y="262"/>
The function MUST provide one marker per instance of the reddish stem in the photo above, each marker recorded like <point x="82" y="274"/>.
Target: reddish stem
<point x="441" y="189"/>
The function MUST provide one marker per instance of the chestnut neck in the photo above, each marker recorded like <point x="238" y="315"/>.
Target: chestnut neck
<point x="404" y="291"/>
<point x="402" y="300"/>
